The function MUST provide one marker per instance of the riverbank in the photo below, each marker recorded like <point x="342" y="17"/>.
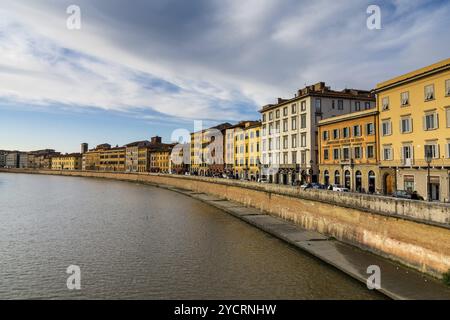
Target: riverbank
<point x="266" y="210"/>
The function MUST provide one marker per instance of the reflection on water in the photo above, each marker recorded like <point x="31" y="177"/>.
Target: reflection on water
<point x="135" y="241"/>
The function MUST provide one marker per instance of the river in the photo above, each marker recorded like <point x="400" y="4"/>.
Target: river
<point x="134" y="241"/>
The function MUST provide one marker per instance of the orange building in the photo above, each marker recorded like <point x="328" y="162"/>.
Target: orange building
<point x="348" y="152"/>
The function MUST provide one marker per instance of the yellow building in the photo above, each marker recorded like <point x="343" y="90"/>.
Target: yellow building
<point x="113" y="159"/>
<point x="67" y="162"/>
<point x="246" y="140"/>
<point x="415" y="123"/>
<point x="348" y="153"/>
<point x="160" y="160"/>
<point x="207" y="151"/>
<point x="91" y="159"/>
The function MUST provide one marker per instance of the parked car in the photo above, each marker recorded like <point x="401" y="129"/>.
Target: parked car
<point x="316" y="185"/>
<point x="306" y="186"/>
<point x="340" y="188"/>
<point x="401" y="194"/>
<point x="263" y="180"/>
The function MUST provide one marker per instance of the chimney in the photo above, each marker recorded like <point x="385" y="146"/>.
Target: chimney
<point x="156" y="140"/>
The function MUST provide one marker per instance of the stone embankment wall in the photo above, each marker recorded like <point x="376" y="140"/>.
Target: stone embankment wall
<point x="416" y="234"/>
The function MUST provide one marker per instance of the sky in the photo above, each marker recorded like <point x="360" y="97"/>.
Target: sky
<point x="137" y="69"/>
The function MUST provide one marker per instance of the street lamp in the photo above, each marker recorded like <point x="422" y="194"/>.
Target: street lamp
<point x="428" y="159"/>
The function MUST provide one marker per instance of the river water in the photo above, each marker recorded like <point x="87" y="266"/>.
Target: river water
<point x="133" y="241"/>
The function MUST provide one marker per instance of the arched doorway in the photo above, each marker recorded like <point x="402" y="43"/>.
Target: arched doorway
<point x="337" y="178"/>
<point x="358" y="181"/>
<point x="347" y="179"/>
<point x="372" y="182"/>
<point x="388" y="184"/>
<point x="326" y="178"/>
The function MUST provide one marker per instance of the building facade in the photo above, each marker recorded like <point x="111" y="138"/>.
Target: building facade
<point x="289" y="142"/>
<point x="41" y="159"/>
<point x="415" y="123"/>
<point x="12" y="159"/>
<point x="242" y="148"/>
<point x="91" y="158"/>
<point x="138" y="154"/>
<point x="113" y="159"/>
<point x="67" y="162"/>
<point x="348" y="151"/>
<point x="207" y="151"/>
<point x="160" y="159"/>
<point x="3" y="155"/>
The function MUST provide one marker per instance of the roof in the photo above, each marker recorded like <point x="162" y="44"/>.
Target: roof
<point x="321" y="90"/>
<point x="413" y="75"/>
<point x="143" y="143"/>
<point x="219" y="127"/>
<point x="348" y="116"/>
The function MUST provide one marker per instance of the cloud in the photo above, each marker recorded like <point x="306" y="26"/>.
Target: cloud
<point x="207" y="59"/>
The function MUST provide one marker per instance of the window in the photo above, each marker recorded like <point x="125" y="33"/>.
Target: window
<point x="285" y="125"/>
<point x="357" y="106"/>
<point x="325" y="135"/>
<point x="431" y="149"/>
<point x="406" y="152"/>
<point x="346" y="153"/>
<point x="303" y="121"/>
<point x="447" y="87"/>
<point x="285" y="142"/>
<point x="335" y="134"/>
<point x="357" y="152"/>
<point x="406" y="125"/>
<point x="404" y="98"/>
<point x="448" y="149"/>
<point x="294" y="141"/>
<point x="335" y="154"/>
<point x="408" y="181"/>
<point x="264" y="117"/>
<point x="370" y="152"/>
<point x="270" y="116"/>
<point x="285" y="158"/>
<point x="303" y="106"/>
<point x="294" y="156"/>
<point x="431" y="121"/>
<point x="387" y="153"/>
<point x="447" y="113"/>
<point x="294" y="123"/>
<point x="277" y="113"/>
<point x="326" y="154"/>
<point x="333" y="104"/>
<point x="318" y="105"/>
<point x="367" y="105"/>
<point x="340" y="104"/>
<point x="370" y="129"/>
<point x="356" y="131"/>
<point x="429" y="92"/>
<point x="303" y="157"/>
<point x="294" y="109"/>
<point x="346" y="132"/>
<point x="285" y="111"/>
<point x="386" y="128"/>
<point x="277" y="127"/>
<point x="303" y="140"/>
<point x="385" y="103"/>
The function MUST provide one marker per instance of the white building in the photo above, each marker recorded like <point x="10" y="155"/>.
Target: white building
<point x="289" y="144"/>
<point x="3" y="155"/>
<point x="12" y="159"/>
